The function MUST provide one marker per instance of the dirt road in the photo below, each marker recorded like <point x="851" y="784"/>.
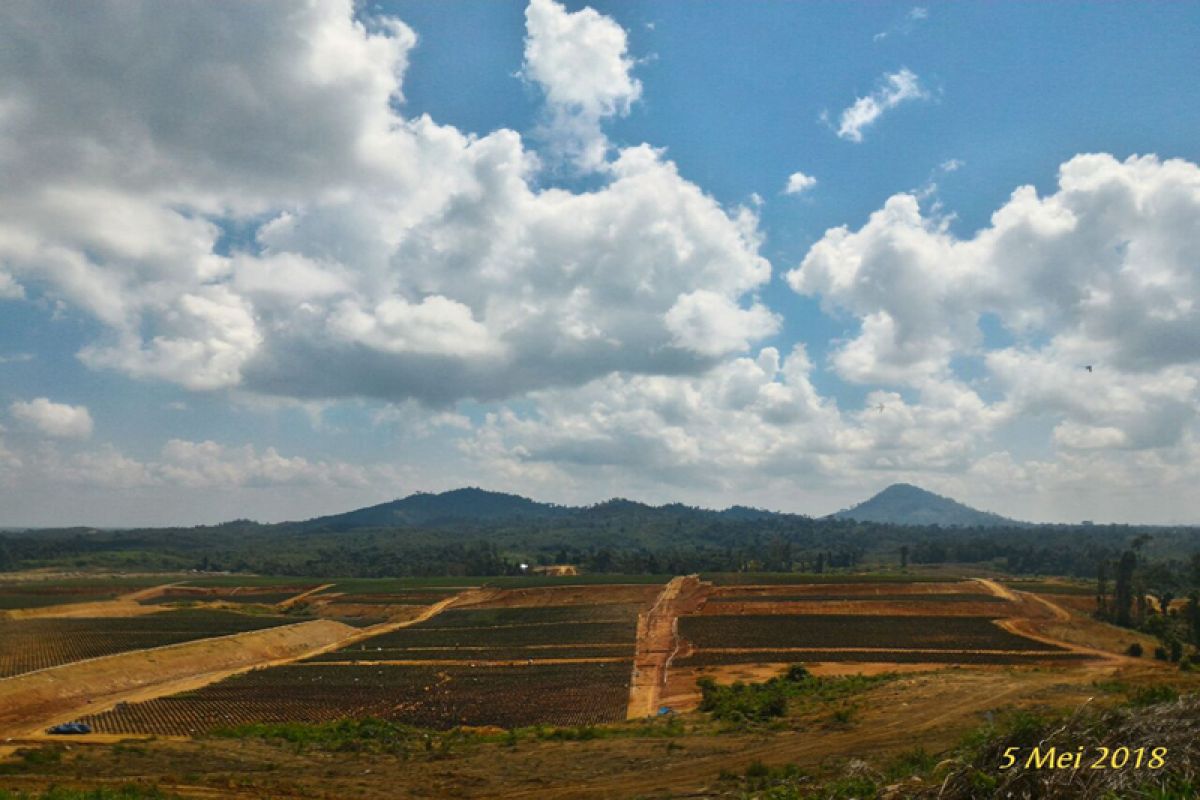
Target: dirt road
<point x="658" y="642"/>
<point x="29" y="703"/>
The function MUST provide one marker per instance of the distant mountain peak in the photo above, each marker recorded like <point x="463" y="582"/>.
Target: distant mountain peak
<point x="468" y="503"/>
<point x="905" y="504"/>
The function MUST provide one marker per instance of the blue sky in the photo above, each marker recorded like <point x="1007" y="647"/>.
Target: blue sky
<point x="546" y="249"/>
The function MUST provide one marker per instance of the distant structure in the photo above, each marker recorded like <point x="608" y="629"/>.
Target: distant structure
<point x="556" y="570"/>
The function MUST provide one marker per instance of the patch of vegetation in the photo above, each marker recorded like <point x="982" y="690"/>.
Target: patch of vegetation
<point x="367" y="735"/>
<point x="373" y="735"/>
<point x="128" y="792"/>
<point x="739" y="703"/>
<point x="789" y="782"/>
<point x="1172" y="724"/>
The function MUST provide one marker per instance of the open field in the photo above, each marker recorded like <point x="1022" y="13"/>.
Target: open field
<point x="570" y="654"/>
<point x="848" y="630"/>
<point x="789" y="578"/>
<point x="32" y="644"/>
<point x="427" y="696"/>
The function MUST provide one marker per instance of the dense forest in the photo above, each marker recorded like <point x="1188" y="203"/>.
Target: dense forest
<point x="477" y="533"/>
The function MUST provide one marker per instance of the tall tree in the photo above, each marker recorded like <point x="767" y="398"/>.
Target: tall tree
<point x="1123" y="595"/>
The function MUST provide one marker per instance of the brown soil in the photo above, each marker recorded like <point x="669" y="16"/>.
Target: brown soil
<point x="126" y="605"/>
<point x="865" y="590"/>
<point x="658" y="642"/>
<point x="459" y="662"/>
<point x="291" y="601"/>
<point x="571" y="596"/>
<point x="865" y="606"/>
<point x="97" y="608"/>
<point x="31" y="702"/>
<point x="931" y="709"/>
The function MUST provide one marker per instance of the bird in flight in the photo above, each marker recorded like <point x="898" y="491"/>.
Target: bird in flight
<point x="1088" y="367"/>
<point x="880" y="408"/>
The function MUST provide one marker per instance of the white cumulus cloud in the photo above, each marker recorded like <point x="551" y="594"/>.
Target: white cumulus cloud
<point x="581" y="61"/>
<point x="57" y="420"/>
<point x="385" y="255"/>
<point x="799" y="182"/>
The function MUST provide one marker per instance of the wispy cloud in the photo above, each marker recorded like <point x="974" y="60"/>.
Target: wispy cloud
<point x="895" y="88"/>
<point x="905" y="26"/>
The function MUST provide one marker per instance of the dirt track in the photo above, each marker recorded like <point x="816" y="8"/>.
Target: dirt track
<point x="933" y="709"/>
<point x="29" y="703"/>
<point x="658" y="642"/>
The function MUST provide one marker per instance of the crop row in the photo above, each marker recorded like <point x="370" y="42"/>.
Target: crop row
<point x="420" y="597"/>
<point x="847" y="630"/>
<point x="701" y="658"/>
<point x="185" y="596"/>
<point x="364" y="652"/>
<point x="946" y="597"/>
<point x="533" y="615"/>
<point x="774" y="578"/>
<point x="424" y="696"/>
<point x="564" y="633"/>
<point x="31" y="644"/>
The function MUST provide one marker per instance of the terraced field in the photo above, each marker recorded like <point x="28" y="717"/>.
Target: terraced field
<point x="428" y="696"/>
<point x="252" y="596"/>
<point x="497" y="634"/>
<point x="43" y="593"/>
<point x="31" y="644"/>
<point x="907" y="597"/>
<point x="853" y="631"/>
<point x="705" y="658"/>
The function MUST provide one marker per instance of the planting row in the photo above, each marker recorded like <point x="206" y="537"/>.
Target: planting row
<point x="424" y="696"/>
<point x="31" y="644"/>
<point x="848" y="630"/>
<point x="487" y="639"/>
<point x="701" y="658"/>
<point x="365" y="652"/>
<point x="946" y="597"/>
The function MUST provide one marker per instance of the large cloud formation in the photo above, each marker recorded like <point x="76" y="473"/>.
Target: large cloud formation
<point x="387" y="256"/>
<point x="1102" y="274"/>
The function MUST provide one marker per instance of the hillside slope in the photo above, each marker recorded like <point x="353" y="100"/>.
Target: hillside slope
<point x="905" y="504"/>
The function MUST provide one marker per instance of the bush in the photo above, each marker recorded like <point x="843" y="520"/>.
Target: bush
<point x="1160" y="653"/>
<point x="1153" y="695"/>
<point x="1134" y="650"/>
<point x="741" y="702"/>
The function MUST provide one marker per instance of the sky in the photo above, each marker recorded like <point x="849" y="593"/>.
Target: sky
<point x="279" y="259"/>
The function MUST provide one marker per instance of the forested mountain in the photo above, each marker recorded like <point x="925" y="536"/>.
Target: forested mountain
<point x="423" y="508"/>
<point x="905" y="504"/>
<point x="475" y="532"/>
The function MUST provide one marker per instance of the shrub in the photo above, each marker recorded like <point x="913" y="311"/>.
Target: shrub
<point x="1153" y="695"/>
<point x="1160" y="653"/>
<point x="1135" y="650"/>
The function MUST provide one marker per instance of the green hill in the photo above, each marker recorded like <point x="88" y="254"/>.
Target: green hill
<point x="905" y="504"/>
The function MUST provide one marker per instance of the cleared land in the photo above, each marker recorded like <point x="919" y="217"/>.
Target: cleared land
<point x="848" y="630"/>
<point x="469" y="665"/>
<point x="32" y="644"/>
<point x="488" y="664"/>
<point x="428" y="696"/>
